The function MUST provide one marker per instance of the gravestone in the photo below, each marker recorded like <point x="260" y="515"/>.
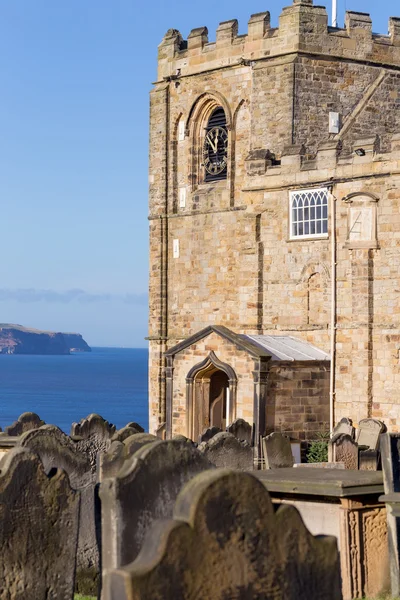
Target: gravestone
<point x="345" y="425"/>
<point x="92" y="436"/>
<point x="390" y="455"/>
<point x="344" y="449"/>
<point x="25" y="422"/>
<point x="240" y="429"/>
<point x="368" y="460"/>
<point x="125" y="432"/>
<point x="38" y="530"/>
<point x="226" y="541"/>
<point x="93" y="426"/>
<point x="57" y="450"/>
<point x="208" y="434"/>
<point x="134" y="425"/>
<point x="277" y="451"/>
<point x="111" y="461"/>
<point x="225" y="451"/>
<point x="369" y="431"/>
<point x="145" y="489"/>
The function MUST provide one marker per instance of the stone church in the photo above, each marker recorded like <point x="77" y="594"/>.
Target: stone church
<point x="275" y="225"/>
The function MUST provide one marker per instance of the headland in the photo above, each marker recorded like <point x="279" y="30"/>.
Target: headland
<point x="16" y="339"/>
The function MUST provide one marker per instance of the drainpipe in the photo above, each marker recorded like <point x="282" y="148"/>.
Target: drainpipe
<point x="333" y="312"/>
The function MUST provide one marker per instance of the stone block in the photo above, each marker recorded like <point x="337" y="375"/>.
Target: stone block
<point x="226" y="541"/>
<point x="277" y="451"/>
<point x="226" y="451"/>
<point x="38" y="530"/>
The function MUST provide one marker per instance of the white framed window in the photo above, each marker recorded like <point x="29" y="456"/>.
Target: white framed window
<point x="309" y="213"/>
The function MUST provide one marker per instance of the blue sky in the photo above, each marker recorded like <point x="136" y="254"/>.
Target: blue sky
<point x="75" y="77"/>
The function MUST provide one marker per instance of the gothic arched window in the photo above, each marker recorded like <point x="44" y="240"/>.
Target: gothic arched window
<point x="215" y="149"/>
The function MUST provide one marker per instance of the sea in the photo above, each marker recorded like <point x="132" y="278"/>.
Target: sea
<point x="111" y="382"/>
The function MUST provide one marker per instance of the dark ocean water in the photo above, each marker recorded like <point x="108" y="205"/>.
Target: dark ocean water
<point x="62" y="389"/>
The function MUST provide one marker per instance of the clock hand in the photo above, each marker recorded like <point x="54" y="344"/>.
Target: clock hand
<point x="211" y="143"/>
<point x="216" y="141"/>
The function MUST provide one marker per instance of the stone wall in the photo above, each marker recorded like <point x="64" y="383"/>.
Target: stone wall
<point x="298" y="399"/>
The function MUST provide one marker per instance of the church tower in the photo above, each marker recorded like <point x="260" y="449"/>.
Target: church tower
<point x="275" y="225"/>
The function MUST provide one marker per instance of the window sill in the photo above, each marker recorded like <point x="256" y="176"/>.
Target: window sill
<point x="308" y="238"/>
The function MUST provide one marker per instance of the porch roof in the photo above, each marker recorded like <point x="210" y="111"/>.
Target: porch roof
<point x="286" y="347"/>
<point x="269" y="347"/>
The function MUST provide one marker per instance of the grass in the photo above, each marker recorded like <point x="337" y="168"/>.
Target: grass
<point x="79" y="597"/>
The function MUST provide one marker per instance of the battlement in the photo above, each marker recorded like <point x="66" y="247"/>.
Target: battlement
<point x="329" y="163"/>
<point x="303" y="28"/>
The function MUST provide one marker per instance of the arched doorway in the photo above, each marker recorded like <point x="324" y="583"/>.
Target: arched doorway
<point x="211" y="396"/>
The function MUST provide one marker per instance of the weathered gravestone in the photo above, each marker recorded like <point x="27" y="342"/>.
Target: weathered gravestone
<point x="277" y="451"/>
<point x="125" y="432"/>
<point x="38" y="530"/>
<point x="343" y="449"/>
<point x="92" y="436"/>
<point x="144" y="490"/>
<point x="345" y="425"/>
<point x="368" y="460"/>
<point x="226" y="541"/>
<point x="25" y="422"/>
<point x="369" y="431"/>
<point x="240" y="429"/>
<point x="58" y="450"/>
<point x="390" y="454"/>
<point x="110" y="462"/>
<point x="134" y="425"/>
<point x="208" y="434"/>
<point x="225" y="451"/>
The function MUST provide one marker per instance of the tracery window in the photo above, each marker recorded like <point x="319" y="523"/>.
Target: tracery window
<point x="309" y="213"/>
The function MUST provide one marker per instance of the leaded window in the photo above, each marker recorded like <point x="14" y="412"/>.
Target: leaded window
<point x="309" y="213"/>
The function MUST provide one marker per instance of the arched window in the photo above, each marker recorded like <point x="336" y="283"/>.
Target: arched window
<point x="309" y="213"/>
<point x="215" y="149"/>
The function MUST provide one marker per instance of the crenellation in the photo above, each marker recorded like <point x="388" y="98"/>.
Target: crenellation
<point x="197" y="38"/>
<point x="394" y="30"/>
<point x="258" y="25"/>
<point x="358" y="24"/>
<point x="302" y="26"/>
<point x="227" y="32"/>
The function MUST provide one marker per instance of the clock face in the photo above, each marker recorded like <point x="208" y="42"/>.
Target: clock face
<point x="215" y="150"/>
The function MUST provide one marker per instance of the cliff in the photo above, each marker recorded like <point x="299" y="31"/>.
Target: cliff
<point x="16" y="339"/>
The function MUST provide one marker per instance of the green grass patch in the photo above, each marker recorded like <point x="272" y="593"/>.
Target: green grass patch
<point x="80" y="597"/>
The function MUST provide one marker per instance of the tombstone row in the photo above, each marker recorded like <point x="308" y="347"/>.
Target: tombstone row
<point x="173" y="526"/>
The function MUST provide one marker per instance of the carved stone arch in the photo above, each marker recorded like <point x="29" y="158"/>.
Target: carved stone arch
<point x="211" y="359"/>
<point x="203" y="106"/>
<point x="198" y="390"/>
<point x="313" y="267"/>
<point x="351" y="197"/>
<point x="198" y="117"/>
